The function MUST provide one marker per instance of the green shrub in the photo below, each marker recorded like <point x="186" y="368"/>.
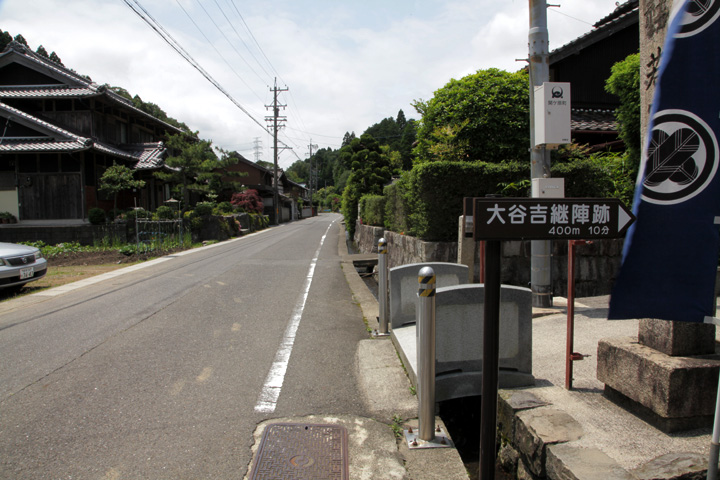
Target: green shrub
<point x="164" y="212"/>
<point x="395" y="207"/>
<point x="129" y="249"/>
<point x="131" y="215"/>
<point x="433" y="193"/>
<point x="204" y="209"/>
<point x="427" y="201"/>
<point x="96" y="216"/>
<point x="225" y="208"/>
<point x="589" y="177"/>
<point x="372" y="209"/>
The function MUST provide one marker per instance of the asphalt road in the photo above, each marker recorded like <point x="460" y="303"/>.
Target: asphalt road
<point x="166" y="371"/>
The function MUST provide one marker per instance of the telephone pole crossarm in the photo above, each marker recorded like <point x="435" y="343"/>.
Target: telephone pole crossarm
<point x="276" y="120"/>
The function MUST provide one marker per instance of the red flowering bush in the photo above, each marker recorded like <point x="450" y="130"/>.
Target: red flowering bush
<point x="248" y="201"/>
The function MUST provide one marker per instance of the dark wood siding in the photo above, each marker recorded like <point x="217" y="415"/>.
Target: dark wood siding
<point x="50" y="196"/>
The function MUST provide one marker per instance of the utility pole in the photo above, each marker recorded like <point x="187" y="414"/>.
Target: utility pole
<point x="539" y="58"/>
<point x="310" y="179"/>
<point x="276" y="121"/>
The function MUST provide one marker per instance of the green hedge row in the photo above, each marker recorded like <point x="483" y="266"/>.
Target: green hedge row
<point x="427" y="200"/>
<point x="372" y="209"/>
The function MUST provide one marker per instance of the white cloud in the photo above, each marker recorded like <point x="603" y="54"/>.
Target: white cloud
<point x="348" y="66"/>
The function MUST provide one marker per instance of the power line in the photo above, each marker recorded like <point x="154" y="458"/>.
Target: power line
<point x="165" y="35"/>
<point x="224" y="36"/>
<point x="256" y="42"/>
<point x="213" y="46"/>
<point x="232" y="25"/>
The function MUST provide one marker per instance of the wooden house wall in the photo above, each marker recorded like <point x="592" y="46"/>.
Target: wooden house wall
<point x="15" y="74"/>
<point x="589" y="69"/>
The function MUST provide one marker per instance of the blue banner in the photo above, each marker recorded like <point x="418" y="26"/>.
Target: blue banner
<point x="670" y="256"/>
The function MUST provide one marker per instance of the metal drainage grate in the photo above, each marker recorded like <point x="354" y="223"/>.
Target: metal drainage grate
<point x="297" y="451"/>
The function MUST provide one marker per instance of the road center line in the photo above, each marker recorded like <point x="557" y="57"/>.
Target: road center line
<point x="270" y="392"/>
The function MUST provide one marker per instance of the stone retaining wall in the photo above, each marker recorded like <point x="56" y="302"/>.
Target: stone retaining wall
<point x="596" y="264"/>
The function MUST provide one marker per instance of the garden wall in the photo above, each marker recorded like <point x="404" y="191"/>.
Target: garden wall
<point x="596" y="264"/>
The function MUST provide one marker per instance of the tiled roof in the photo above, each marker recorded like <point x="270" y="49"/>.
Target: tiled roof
<point x="625" y="14"/>
<point x="619" y="11"/>
<point x="32" y="145"/>
<point x="78" y="84"/>
<point x="46" y="63"/>
<point x="55" y="131"/>
<point x="145" y="155"/>
<point x="593" y="120"/>
<point x="61" y="91"/>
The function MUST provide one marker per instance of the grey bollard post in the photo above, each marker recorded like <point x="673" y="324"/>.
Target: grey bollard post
<point x="383" y="288"/>
<point x="426" y="354"/>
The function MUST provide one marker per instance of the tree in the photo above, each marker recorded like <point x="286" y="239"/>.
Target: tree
<point x="624" y="82"/>
<point x="191" y="166"/>
<point x="5" y="39"/>
<point x="483" y="116"/>
<point x="370" y="170"/>
<point x="116" y="179"/>
<point x="268" y="165"/>
<point x="21" y="40"/>
<point x="349" y="137"/>
<point x="248" y="201"/>
<point x="299" y="171"/>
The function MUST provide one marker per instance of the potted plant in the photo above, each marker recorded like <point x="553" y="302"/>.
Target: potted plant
<point x="7" y="217"/>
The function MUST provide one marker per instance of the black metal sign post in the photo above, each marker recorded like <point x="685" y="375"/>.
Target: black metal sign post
<point x="496" y="219"/>
<point x="491" y="360"/>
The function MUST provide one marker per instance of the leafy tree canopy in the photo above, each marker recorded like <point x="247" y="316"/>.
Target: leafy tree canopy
<point x="483" y="116"/>
<point x="370" y="169"/>
<point x="269" y="165"/>
<point x="6" y="38"/>
<point x="624" y="82"/>
<point x="116" y="179"/>
<point x="192" y="166"/>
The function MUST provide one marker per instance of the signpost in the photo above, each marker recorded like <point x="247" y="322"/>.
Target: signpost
<point x="550" y="218"/>
<point x="496" y="219"/>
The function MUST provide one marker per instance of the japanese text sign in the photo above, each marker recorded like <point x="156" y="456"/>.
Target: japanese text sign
<point x="550" y="218"/>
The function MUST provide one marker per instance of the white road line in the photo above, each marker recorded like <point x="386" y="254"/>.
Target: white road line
<point x="267" y="401"/>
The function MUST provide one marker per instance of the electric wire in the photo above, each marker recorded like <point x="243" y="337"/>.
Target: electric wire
<point x="232" y="25"/>
<point x="232" y="2"/>
<point x="165" y="35"/>
<point x="226" y="39"/>
<point x="569" y="16"/>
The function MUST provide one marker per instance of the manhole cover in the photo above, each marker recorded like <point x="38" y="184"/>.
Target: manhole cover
<point x="299" y="451"/>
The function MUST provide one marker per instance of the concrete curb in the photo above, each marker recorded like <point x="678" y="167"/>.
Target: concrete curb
<point x="385" y="389"/>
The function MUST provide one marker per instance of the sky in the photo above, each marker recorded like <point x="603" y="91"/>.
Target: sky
<point x="346" y="64"/>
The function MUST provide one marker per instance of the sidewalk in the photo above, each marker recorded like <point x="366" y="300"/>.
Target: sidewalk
<point x="622" y="436"/>
<point x="637" y="448"/>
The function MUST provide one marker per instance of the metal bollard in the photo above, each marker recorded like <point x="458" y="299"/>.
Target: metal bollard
<point x="426" y="354"/>
<point x="383" y="288"/>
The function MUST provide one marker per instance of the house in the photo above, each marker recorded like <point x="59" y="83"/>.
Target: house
<point x="60" y="131"/>
<point x="290" y="194"/>
<point x="586" y="63"/>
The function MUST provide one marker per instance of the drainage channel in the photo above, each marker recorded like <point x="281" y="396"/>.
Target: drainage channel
<point x="461" y="417"/>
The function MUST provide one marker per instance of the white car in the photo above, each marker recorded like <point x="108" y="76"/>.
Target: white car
<point x="20" y="264"/>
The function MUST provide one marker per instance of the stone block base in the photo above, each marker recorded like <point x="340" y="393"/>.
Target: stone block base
<point x="670" y="393"/>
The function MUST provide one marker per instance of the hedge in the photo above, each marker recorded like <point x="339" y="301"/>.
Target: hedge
<point x="372" y="209"/>
<point x="427" y="201"/>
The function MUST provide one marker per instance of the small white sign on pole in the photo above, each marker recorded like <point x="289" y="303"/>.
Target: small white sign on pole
<point x="552" y="114"/>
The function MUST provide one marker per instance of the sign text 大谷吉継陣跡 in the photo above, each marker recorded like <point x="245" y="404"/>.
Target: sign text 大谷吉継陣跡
<point x="552" y="218"/>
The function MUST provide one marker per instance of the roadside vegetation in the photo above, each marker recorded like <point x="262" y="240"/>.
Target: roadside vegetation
<point x="405" y="175"/>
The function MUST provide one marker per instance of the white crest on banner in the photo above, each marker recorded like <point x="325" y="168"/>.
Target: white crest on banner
<point x="698" y="16"/>
<point x="681" y="159"/>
